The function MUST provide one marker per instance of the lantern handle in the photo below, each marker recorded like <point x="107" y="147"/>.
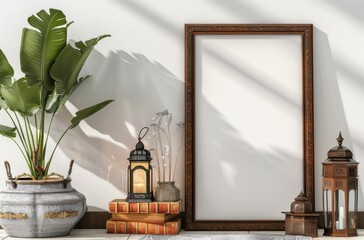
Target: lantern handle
<point x="140" y="138"/>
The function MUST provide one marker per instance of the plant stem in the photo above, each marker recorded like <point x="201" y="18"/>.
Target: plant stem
<point x="170" y="153"/>
<point x="164" y="155"/>
<point x="31" y="147"/>
<point x="161" y="151"/>
<point x="159" y="166"/>
<point x="41" y="140"/>
<point x="34" y="150"/>
<point x="36" y="128"/>
<point x="17" y="130"/>
<point x="25" y="157"/>
<point x="157" y="155"/>
<point x="49" y="130"/>
<point x="164" y="166"/>
<point x="23" y="136"/>
<point x="51" y="157"/>
<point x="159" y="128"/>
<point x="31" y="133"/>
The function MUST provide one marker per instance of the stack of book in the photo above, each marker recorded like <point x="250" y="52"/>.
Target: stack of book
<point x="144" y="218"/>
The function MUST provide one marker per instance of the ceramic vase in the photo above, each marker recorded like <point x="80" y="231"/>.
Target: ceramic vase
<point x="166" y="192"/>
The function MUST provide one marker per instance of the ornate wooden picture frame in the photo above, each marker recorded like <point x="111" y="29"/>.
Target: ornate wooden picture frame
<point x="192" y="107"/>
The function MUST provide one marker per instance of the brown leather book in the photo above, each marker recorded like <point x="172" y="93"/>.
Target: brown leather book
<point x="144" y="217"/>
<point x="122" y="206"/>
<point x="124" y="227"/>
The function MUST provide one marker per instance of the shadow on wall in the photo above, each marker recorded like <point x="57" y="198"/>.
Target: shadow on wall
<point x="352" y="76"/>
<point x="352" y="8"/>
<point x="229" y="165"/>
<point x="234" y="167"/>
<point x="329" y="110"/>
<point x="140" y="88"/>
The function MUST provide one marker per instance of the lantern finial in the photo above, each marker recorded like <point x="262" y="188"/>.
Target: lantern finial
<point x="340" y="139"/>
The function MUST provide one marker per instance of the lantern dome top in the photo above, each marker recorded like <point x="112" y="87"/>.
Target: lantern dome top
<point x="340" y="152"/>
<point x="301" y="204"/>
<point x="139" y="153"/>
<point x="301" y="197"/>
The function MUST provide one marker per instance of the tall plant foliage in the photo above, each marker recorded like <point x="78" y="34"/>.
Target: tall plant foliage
<point x="51" y="68"/>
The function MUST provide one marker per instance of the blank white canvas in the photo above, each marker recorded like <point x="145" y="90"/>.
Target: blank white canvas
<point x="248" y="132"/>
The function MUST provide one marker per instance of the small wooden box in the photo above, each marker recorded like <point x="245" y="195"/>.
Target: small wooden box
<point x="301" y="224"/>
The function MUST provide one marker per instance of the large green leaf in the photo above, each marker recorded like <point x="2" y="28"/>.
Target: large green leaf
<point x="56" y="101"/>
<point x="85" y="113"/>
<point x="7" y="131"/>
<point x="39" y="48"/>
<point x="69" y="63"/>
<point x="52" y="102"/>
<point x="22" y="98"/>
<point x="6" y="71"/>
<point x="2" y="103"/>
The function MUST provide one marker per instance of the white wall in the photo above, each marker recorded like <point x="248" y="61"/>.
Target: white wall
<point x="142" y="68"/>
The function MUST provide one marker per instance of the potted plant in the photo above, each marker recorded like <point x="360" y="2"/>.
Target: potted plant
<point x="166" y="191"/>
<point x="42" y="204"/>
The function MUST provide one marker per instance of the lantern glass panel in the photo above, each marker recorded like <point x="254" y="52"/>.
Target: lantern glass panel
<point x="139" y="181"/>
<point x="352" y="209"/>
<point x="340" y="213"/>
<point x="328" y="209"/>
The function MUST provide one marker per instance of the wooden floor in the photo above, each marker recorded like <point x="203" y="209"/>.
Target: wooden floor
<point x="101" y="234"/>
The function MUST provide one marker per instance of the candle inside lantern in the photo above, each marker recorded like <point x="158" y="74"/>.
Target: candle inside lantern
<point x="341" y="218"/>
<point x="139" y="187"/>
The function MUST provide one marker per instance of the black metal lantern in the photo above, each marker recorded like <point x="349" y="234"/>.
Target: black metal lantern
<point x="140" y="173"/>
<point x="340" y="192"/>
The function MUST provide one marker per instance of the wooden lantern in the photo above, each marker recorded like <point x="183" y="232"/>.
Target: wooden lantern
<point x="301" y="220"/>
<point x="340" y="192"/>
<point x="140" y="173"/>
